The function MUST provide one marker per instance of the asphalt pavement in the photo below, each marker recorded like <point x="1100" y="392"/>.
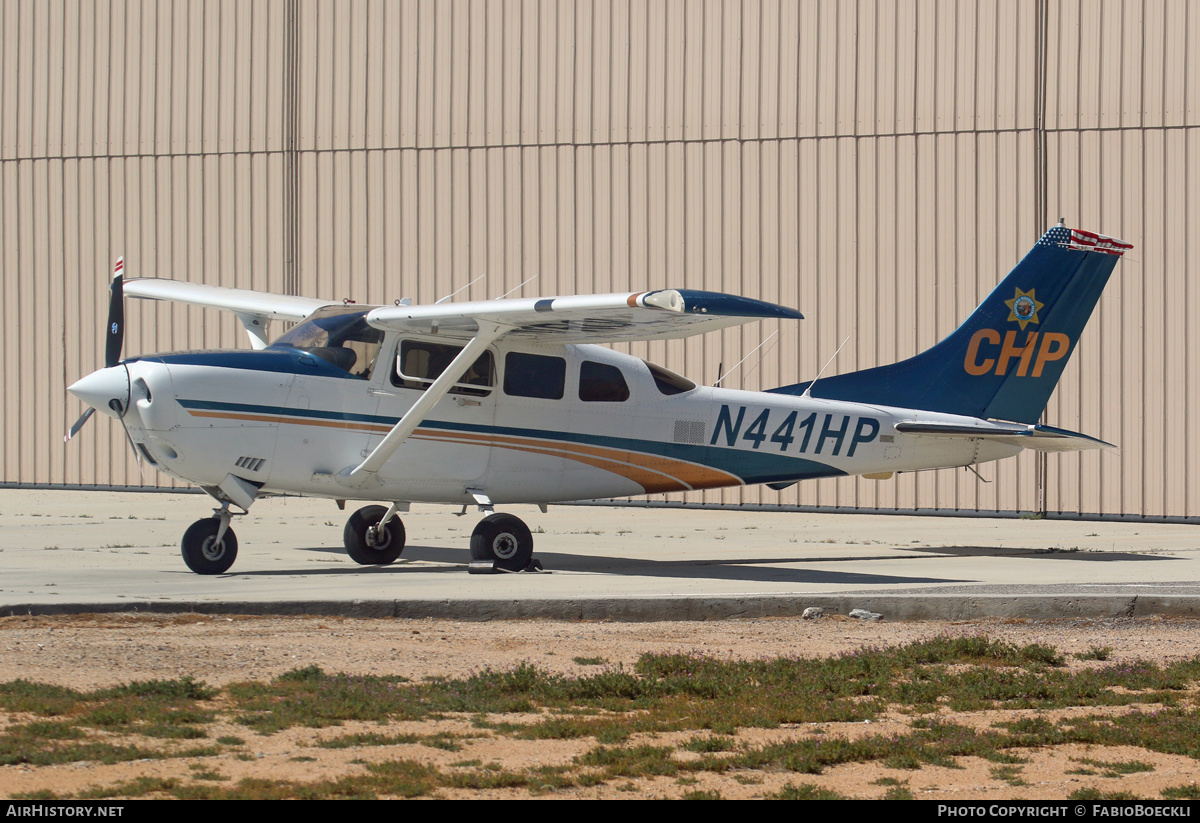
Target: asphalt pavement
<point x="69" y="551"/>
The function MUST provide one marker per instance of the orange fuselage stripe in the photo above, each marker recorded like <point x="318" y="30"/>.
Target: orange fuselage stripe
<point x="654" y="473"/>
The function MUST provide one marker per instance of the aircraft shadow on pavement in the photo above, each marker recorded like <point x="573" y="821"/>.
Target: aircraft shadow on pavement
<point x="762" y="570"/>
<point x="1047" y="553"/>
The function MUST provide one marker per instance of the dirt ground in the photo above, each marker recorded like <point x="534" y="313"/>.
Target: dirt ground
<point x="91" y="651"/>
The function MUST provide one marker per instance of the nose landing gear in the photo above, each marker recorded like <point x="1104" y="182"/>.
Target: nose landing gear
<point x="374" y="536"/>
<point x="209" y="546"/>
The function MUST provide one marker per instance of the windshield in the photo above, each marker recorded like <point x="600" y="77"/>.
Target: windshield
<point x="339" y="335"/>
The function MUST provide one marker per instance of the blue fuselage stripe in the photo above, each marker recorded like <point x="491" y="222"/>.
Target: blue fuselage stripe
<point x="278" y="360"/>
<point x="752" y="467"/>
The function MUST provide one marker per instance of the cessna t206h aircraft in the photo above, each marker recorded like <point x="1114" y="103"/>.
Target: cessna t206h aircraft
<point x="510" y="401"/>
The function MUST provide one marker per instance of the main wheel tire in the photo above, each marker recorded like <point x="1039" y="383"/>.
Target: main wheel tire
<point x="202" y="553"/>
<point x="503" y="539"/>
<point x="368" y="549"/>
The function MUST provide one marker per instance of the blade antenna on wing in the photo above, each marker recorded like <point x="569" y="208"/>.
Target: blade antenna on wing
<point x="518" y="288"/>
<point x="464" y="288"/>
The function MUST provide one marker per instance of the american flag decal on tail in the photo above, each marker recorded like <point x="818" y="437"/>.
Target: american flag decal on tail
<point x="1087" y="241"/>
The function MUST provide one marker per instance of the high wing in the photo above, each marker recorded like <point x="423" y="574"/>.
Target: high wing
<point x="1036" y="437"/>
<point x="598" y="318"/>
<point x="254" y="308"/>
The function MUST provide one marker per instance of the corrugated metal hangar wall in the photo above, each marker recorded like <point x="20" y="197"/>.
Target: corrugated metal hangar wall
<point x="878" y="165"/>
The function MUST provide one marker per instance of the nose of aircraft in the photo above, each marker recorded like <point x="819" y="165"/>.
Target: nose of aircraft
<point x="106" y="390"/>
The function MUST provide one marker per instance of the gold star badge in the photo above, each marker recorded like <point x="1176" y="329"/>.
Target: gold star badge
<point x="1024" y="308"/>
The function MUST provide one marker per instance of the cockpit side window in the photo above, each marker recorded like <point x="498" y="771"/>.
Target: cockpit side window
<point x="338" y="335"/>
<point x="419" y="363"/>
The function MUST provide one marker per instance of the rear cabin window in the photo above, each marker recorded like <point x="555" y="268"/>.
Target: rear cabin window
<point x="419" y="363"/>
<point x="534" y="375"/>
<point x="601" y="383"/>
<point x="667" y="381"/>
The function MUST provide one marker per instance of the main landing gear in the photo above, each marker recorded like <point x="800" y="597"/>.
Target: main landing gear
<point x="501" y="542"/>
<point x="374" y="536"/>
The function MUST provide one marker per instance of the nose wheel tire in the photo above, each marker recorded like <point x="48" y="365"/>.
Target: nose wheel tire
<point x="369" y="545"/>
<point x="201" y="551"/>
<point x="503" y="539"/>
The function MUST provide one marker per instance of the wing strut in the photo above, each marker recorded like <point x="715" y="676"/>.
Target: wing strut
<point x="255" y="326"/>
<point x="412" y="418"/>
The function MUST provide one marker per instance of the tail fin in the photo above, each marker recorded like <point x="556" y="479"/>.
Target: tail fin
<point x="1006" y="359"/>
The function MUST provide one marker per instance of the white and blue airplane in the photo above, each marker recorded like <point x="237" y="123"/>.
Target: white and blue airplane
<point x="512" y="401"/>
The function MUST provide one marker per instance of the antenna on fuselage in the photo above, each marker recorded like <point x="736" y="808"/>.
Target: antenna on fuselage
<point x="761" y="356"/>
<point x="808" y="391"/>
<point x="464" y="288"/>
<point x="722" y="375"/>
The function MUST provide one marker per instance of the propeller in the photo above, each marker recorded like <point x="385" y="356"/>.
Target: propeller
<point x="114" y="335"/>
<point x="116" y="315"/>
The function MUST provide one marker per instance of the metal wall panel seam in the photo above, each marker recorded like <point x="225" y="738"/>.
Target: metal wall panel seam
<point x="1128" y="130"/>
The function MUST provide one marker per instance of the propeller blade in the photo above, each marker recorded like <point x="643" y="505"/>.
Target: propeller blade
<point x="136" y="453"/>
<point x="114" y="337"/>
<point x="116" y="316"/>
<point x="83" y="418"/>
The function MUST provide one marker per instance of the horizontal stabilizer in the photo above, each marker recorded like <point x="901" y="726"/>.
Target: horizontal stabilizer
<point x="1039" y="438"/>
